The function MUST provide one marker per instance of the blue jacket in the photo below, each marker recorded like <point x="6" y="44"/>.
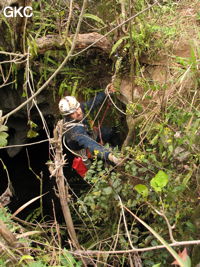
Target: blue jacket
<point x="79" y="136"/>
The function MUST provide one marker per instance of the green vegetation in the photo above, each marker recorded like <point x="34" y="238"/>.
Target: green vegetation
<point x="152" y="199"/>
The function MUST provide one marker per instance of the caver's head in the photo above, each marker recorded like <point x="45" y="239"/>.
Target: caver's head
<point x="69" y="106"/>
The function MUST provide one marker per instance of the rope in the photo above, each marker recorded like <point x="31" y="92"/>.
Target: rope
<point x="104" y="114"/>
<point x="84" y="157"/>
<point x="108" y="94"/>
<point x="68" y="126"/>
<point x="117" y="68"/>
<point x="92" y="124"/>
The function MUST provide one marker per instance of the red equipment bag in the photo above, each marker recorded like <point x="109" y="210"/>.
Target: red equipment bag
<point x="79" y="166"/>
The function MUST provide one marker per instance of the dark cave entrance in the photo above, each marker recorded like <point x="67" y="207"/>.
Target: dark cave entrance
<point x="30" y="178"/>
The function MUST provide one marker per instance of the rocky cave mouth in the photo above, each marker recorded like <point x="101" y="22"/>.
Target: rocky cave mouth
<point x="29" y="176"/>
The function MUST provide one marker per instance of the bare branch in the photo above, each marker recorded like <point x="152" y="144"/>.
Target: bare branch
<point x="70" y="54"/>
<point x="97" y="252"/>
<point x="56" y="169"/>
<point x="56" y="72"/>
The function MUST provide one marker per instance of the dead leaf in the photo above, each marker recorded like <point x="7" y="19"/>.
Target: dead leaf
<point x="183" y="255"/>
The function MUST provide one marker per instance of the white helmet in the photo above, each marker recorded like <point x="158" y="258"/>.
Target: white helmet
<point x="68" y="105"/>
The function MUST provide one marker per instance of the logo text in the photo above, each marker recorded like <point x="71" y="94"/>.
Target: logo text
<point x="13" y="12"/>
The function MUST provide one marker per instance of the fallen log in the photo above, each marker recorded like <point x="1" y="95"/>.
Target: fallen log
<point x="55" y="42"/>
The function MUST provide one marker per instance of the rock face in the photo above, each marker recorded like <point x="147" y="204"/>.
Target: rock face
<point x="11" y="41"/>
<point x="12" y="29"/>
<point x="18" y="123"/>
<point x="172" y="74"/>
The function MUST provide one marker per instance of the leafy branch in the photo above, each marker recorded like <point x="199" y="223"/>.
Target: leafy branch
<point x="70" y="55"/>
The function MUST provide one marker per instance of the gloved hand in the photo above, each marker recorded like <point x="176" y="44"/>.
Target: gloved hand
<point x="110" y="89"/>
<point x="114" y="159"/>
